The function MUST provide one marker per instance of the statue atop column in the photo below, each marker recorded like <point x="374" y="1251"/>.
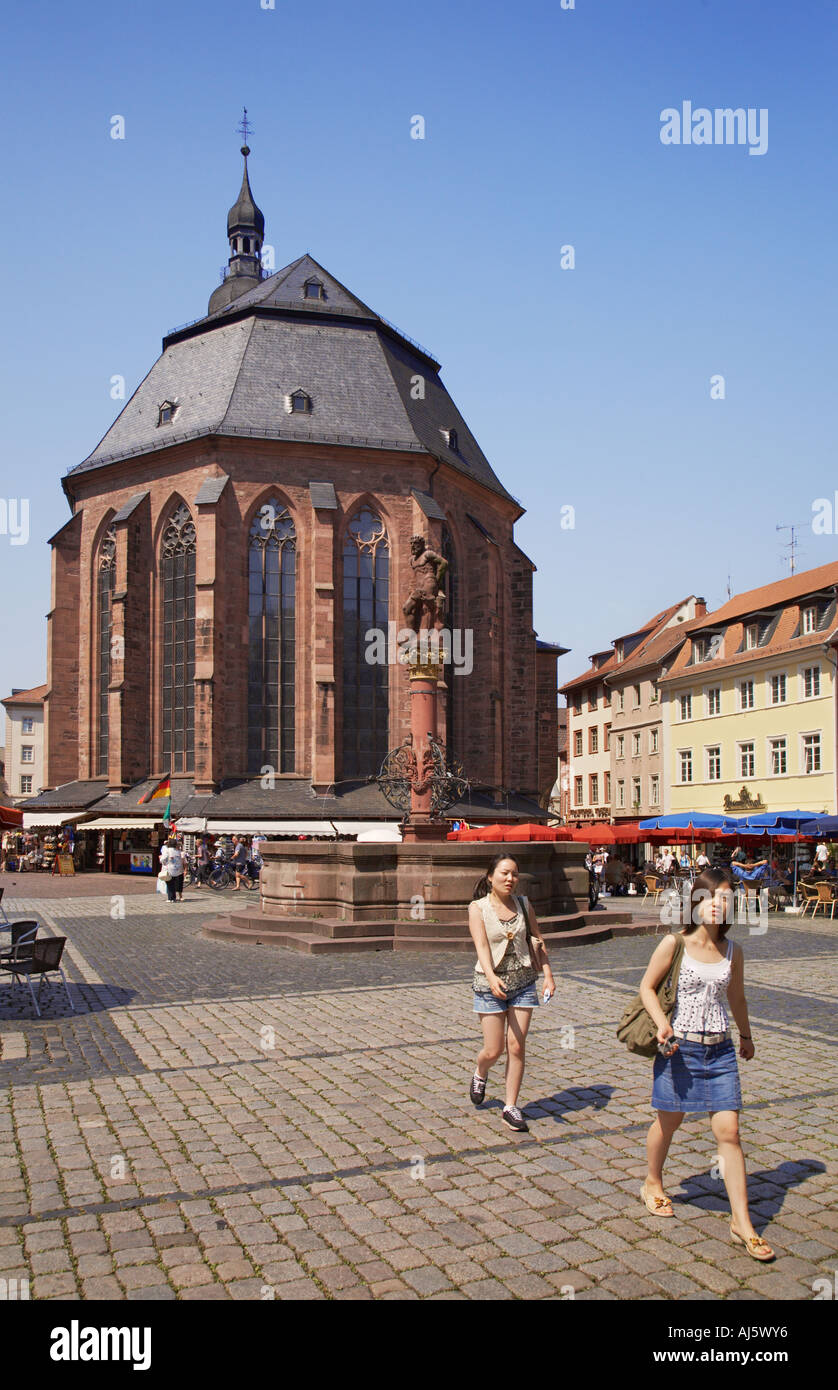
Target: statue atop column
<point x="425" y="608"/>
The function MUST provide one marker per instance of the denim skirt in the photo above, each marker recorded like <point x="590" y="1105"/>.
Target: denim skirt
<point x="697" y="1078"/>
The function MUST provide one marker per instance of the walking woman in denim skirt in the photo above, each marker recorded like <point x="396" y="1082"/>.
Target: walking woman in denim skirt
<point x="504" y="983"/>
<point x="698" y="1073"/>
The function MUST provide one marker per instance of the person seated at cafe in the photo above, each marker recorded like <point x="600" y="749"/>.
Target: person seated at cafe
<point x="739" y="856"/>
<point x="686" y="862"/>
<point x="616" y="875"/>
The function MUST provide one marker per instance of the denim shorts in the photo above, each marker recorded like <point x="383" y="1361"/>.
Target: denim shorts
<point x="525" y="998"/>
<point x="697" y="1078"/>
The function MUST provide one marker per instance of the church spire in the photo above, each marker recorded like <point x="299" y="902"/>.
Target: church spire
<point x="245" y="233"/>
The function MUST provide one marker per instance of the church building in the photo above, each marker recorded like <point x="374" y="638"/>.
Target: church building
<point x="234" y="537"/>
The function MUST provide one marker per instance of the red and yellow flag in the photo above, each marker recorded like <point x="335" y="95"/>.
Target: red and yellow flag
<point x="163" y="789"/>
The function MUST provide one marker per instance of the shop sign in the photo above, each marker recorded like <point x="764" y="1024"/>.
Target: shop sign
<point x="142" y="863"/>
<point x="745" y="802"/>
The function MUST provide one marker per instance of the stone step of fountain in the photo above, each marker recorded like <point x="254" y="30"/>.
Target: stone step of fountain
<point x="339" y="938"/>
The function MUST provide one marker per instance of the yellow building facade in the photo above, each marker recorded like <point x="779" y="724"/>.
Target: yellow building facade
<point x="750" y="703"/>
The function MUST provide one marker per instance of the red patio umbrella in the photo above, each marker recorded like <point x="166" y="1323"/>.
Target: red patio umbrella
<point x="597" y="833"/>
<point x="533" y="831"/>
<point x="520" y="833"/>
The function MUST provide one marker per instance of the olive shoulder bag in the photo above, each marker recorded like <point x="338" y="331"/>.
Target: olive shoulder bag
<point x="638" y="1029"/>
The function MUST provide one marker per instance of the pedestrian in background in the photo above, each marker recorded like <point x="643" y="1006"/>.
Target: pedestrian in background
<point x="171" y="859"/>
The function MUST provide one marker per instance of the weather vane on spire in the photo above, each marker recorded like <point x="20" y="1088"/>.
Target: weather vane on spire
<point x="244" y="129"/>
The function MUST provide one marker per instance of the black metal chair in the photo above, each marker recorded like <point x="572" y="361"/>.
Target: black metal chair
<point x="30" y="957"/>
<point x="27" y="927"/>
<point x="22" y="936"/>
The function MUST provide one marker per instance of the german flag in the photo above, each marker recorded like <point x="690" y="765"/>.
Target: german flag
<point x="163" y="789"/>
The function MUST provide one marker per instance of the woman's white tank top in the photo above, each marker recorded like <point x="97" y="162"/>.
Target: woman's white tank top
<point x="701" y="1002"/>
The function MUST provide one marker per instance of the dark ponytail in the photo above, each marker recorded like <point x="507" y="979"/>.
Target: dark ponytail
<point x="482" y="886"/>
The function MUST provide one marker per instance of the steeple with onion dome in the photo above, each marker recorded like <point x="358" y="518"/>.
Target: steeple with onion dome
<point x="245" y="233"/>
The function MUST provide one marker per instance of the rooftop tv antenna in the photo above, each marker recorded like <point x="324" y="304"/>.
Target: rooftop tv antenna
<point x="791" y="545"/>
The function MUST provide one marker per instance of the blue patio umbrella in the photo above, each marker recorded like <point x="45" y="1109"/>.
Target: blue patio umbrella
<point x="821" y="825"/>
<point x="777" y="823"/>
<point x="688" y="820"/>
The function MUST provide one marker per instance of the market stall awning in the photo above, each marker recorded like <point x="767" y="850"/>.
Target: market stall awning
<point x="36" y="820"/>
<point x="358" y="827"/>
<point x="10" y="817"/>
<point x="190" y="825"/>
<point x="235" y="826"/>
<point x="122" y="823"/>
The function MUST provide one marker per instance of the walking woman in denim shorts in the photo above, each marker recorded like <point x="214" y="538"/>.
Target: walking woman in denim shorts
<point x="700" y="1074"/>
<point x="504" y="983"/>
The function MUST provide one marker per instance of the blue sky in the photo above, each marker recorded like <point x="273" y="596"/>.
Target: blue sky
<point x="587" y="387"/>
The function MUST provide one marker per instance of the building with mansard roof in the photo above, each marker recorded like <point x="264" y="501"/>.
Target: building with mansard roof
<point x="242" y="525"/>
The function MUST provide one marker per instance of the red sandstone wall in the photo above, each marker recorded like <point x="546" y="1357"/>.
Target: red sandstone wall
<point x="547" y="717"/>
<point x="61" y="705"/>
<point x="496" y="727"/>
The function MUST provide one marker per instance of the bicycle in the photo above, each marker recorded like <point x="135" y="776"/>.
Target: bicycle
<point x="221" y="876"/>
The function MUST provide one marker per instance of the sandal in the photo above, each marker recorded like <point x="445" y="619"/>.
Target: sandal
<point x="757" y="1248"/>
<point x="658" y="1206"/>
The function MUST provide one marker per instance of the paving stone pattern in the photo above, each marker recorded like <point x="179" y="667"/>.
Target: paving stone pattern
<point x="226" y="1121"/>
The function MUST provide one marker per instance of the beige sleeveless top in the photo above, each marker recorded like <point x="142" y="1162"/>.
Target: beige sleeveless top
<point x="502" y="935"/>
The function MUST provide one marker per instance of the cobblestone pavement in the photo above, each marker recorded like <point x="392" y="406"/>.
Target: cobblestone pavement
<point x="226" y="1121"/>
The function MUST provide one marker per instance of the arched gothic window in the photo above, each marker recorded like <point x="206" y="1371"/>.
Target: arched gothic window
<point x="366" y="605"/>
<point x="105" y="580"/>
<point x="272" y="559"/>
<point x="451" y="680"/>
<point x="177" y="573"/>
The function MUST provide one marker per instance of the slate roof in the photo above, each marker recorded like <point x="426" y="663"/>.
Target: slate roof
<point x="292" y="798"/>
<point x="127" y="802"/>
<point x="230" y="373"/>
<point x="72" y="796"/>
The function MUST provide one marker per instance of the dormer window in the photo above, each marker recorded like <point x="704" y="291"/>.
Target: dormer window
<point x="313" y="289"/>
<point x="751" y="636"/>
<point x="809" y="619"/>
<point x="618" y="652"/>
<point x="300" y="402"/>
<point x="699" y="649"/>
<point x="166" y="413"/>
<point x="452" y="440"/>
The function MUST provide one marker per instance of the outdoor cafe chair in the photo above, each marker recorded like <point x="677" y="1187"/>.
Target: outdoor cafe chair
<point x="825" y="894"/>
<point x="23" y="935"/>
<point x="30" y="957"/>
<point x="27" y="927"/>
<point x="4" y="921"/>
<point x="654" y="886"/>
<point x="810" y="896"/>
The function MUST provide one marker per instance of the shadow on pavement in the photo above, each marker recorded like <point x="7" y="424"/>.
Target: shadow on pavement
<point x="575" y="1098"/>
<point x="767" y="1189"/>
